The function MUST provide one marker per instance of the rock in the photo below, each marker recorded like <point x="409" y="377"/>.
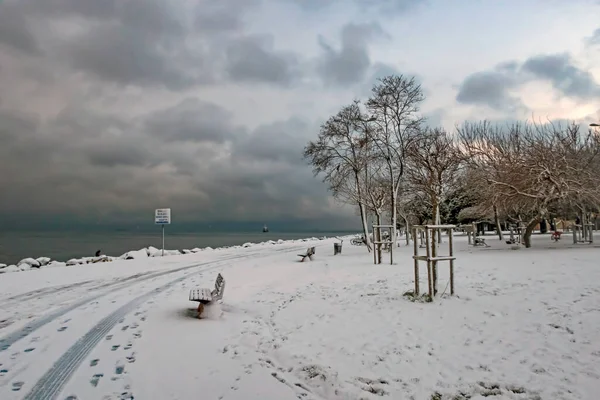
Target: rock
<point x="25" y="267"/>
<point x="186" y="251"/>
<point x="159" y="253"/>
<point x="272" y="242"/>
<point x="196" y="250"/>
<point x="248" y="244"/>
<point x="280" y="241"/>
<point x="152" y="250"/>
<point x="31" y="261"/>
<point x="10" y="268"/>
<point x="208" y="248"/>
<point x="56" y="264"/>
<point x="3" y="266"/>
<point x="100" y="259"/>
<point x="74" y="261"/>
<point x="43" y="261"/>
<point x="136" y="254"/>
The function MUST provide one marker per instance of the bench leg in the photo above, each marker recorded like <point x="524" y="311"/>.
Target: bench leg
<point x="200" y="310"/>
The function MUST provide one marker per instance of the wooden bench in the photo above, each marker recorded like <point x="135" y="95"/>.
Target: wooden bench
<point x="206" y="296"/>
<point x="479" y="241"/>
<point x="310" y="252"/>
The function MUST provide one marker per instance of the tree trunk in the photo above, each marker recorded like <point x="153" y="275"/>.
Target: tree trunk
<point x="435" y="219"/>
<point x="497" y="221"/>
<point x="407" y="230"/>
<point x="363" y="213"/>
<point x="363" y="218"/>
<point x="434" y="264"/>
<point x="394" y="217"/>
<point x="438" y="220"/>
<point x="528" y="231"/>
<point x="377" y="238"/>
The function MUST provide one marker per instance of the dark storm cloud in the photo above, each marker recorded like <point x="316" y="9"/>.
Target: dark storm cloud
<point x="15" y="30"/>
<point x="564" y="75"/>
<point x="192" y="120"/>
<point x="488" y="88"/>
<point x="147" y="43"/>
<point x="84" y="160"/>
<point x="253" y="59"/>
<point x="492" y="88"/>
<point x="222" y="16"/>
<point x="348" y="64"/>
<point x="385" y="7"/>
<point x="285" y="139"/>
<point x="93" y="150"/>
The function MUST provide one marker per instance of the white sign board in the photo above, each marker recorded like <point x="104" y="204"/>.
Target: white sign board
<point x="162" y="216"/>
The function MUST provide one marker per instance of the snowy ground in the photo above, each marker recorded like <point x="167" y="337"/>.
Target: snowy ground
<point x="524" y="325"/>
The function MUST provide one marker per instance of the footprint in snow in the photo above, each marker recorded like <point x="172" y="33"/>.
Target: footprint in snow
<point x="72" y="397"/>
<point x="62" y="329"/>
<point x="115" y="347"/>
<point x="29" y="350"/>
<point x="108" y="337"/>
<point x="119" y="369"/>
<point x="125" y="328"/>
<point x="16" y="386"/>
<point x="95" y="379"/>
<point x="130" y="358"/>
<point x="3" y="372"/>
<point x="128" y="346"/>
<point x="94" y="362"/>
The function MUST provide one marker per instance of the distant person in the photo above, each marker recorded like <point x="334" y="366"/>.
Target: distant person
<point x="98" y="253"/>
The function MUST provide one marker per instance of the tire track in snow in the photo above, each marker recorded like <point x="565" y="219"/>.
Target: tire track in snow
<point x="44" y="291"/>
<point x="12" y="338"/>
<point x="52" y="382"/>
<point x="50" y="385"/>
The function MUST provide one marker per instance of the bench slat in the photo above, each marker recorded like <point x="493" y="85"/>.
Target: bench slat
<point x="201" y="294"/>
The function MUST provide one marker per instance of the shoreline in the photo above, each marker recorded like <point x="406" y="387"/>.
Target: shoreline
<point x="30" y="263"/>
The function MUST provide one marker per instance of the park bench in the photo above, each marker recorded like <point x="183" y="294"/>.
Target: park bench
<point x="310" y="252"/>
<point x="479" y="241"/>
<point x="556" y="236"/>
<point x="206" y="296"/>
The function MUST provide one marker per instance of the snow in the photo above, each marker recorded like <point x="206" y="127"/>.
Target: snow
<point x="29" y="261"/>
<point x="523" y="325"/>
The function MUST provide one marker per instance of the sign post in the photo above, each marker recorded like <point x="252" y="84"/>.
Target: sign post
<point x="162" y="216"/>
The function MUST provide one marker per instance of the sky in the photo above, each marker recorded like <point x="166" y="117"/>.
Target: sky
<point x="110" y="109"/>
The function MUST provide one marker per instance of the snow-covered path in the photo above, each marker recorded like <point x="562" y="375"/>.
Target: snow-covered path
<point x="524" y="325"/>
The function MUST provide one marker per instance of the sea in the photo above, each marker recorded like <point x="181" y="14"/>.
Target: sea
<point x="64" y="245"/>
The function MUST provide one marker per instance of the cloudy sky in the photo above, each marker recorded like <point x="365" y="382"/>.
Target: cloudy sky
<point x="112" y="108"/>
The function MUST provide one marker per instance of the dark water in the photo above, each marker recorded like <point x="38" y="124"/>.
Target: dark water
<point x="61" y="246"/>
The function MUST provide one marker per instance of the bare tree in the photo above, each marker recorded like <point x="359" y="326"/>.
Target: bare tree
<point x="394" y="106"/>
<point x="531" y="168"/>
<point x="339" y="153"/>
<point x="432" y="167"/>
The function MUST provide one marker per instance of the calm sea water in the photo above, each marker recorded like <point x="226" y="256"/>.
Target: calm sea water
<point x="61" y="246"/>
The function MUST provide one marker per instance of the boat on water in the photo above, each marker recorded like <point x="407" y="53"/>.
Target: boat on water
<point x="265" y="229"/>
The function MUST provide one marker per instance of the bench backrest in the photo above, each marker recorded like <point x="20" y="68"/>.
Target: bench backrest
<point x="217" y="294"/>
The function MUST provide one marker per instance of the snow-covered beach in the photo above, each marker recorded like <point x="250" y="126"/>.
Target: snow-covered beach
<point x="523" y="325"/>
<point x="29" y="263"/>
